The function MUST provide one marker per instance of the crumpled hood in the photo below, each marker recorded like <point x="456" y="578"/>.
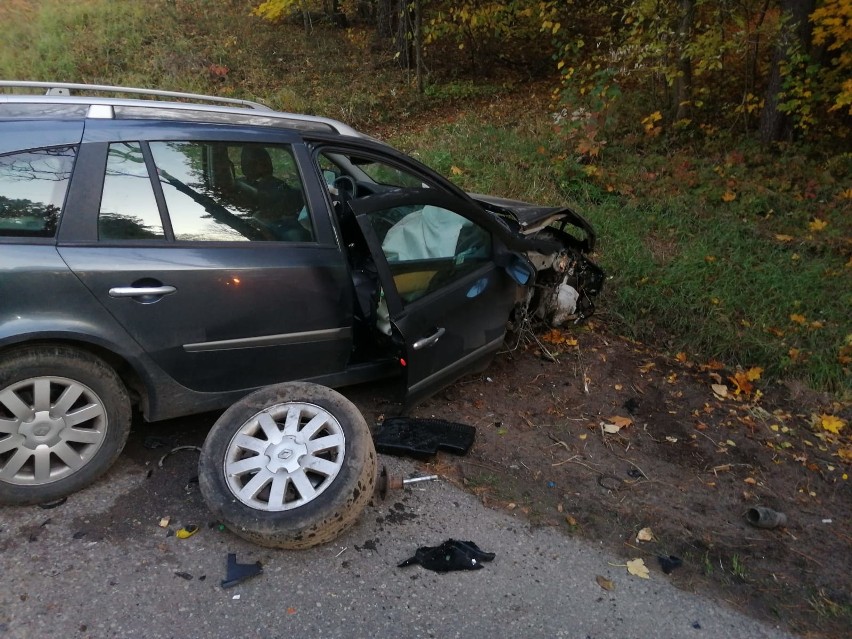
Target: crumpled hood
<point x="533" y="217"/>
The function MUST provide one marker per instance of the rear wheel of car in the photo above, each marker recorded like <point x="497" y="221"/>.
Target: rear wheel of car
<point x="64" y="419"/>
<point x="289" y="466"/>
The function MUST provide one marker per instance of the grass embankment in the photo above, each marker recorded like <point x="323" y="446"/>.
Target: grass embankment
<point x="715" y="246"/>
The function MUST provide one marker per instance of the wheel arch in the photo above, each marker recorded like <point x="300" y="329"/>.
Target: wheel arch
<point x="132" y="379"/>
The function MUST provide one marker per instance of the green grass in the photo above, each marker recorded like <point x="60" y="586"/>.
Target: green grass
<point x="690" y="268"/>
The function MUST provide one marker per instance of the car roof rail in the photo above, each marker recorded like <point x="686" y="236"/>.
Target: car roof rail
<point x="65" y="88"/>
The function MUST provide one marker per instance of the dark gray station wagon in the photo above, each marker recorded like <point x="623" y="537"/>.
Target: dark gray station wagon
<point x="174" y="252"/>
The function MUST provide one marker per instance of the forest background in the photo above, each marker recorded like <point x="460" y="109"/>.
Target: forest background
<point x="708" y="141"/>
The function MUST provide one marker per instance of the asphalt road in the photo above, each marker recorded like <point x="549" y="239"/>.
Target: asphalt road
<point x="99" y="565"/>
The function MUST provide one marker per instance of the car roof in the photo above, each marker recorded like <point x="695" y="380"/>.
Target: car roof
<point x="56" y="101"/>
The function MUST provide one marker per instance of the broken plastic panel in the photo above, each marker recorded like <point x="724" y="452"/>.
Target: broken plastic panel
<point x="449" y="556"/>
<point x="422" y="438"/>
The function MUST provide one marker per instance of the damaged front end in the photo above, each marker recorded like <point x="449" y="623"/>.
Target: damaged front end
<point x="567" y="281"/>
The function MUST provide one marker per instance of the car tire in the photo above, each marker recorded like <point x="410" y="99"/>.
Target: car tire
<point x="64" y="419"/>
<point x="289" y="466"/>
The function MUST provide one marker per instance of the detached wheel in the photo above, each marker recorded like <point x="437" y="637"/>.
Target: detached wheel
<point x="64" y="419"/>
<point x="289" y="466"/>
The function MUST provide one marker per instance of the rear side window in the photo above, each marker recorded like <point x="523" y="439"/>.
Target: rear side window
<point x="32" y="190"/>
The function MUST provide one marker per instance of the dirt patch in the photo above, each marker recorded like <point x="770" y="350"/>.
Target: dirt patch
<point x="686" y="463"/>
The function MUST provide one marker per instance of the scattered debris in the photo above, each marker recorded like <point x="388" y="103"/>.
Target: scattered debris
<point x="164" y="521"/>
<point x="175" y="450"/>
<point x="422" y="438"/>
<point x="762" y="517"/>
<point x="153" y="442"/>
<point x="238" y="573"/>
<point x="187" y="531"/>
<point x="183" y="575"/>
<point x="388" y="482"/>
<point x="449" y="556"/>
<point x="53" y="504"/>
<point x="606" y="584"/>
<point x="669" y="563"/>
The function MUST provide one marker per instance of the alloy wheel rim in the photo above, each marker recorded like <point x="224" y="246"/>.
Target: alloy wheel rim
<point x="50" y="428"/>
<point x="284" y="456"/>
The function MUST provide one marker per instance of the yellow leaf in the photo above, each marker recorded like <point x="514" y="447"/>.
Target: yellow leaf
<point x="754" y="373"/>
<point x="646" y="534"/>
<point x="729" y="196"/>
<point x="784" y="238"/>
<point x="681" y="357"/>
<point x="817" y="224"/>
<point x="456" y="170"/>
<point x="638" y="568"/>
<point x="845" y="453"/>
<point x="798" y="319"/>
<point x="831" y="423"/>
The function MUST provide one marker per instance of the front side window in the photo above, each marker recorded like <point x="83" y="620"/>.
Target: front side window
<point x="232" y="192"/>
<point x="362" y="175"/>
<point x="32" y="190"/>
<point x="428" y="246"/>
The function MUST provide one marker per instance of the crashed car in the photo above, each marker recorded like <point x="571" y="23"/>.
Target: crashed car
<point x="171" y="253"/>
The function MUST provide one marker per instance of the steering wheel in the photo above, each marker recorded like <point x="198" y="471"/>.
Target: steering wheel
<point x="346" y="186"/>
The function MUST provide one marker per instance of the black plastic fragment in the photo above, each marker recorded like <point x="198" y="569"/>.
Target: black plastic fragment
<point x="449" y="556"/>
<point x="183" y="575"/>
<point x="238" y="573"/>
<point x="53" y="504"/>
<point x="422" y="438"/>
<point x="669" y="563"/>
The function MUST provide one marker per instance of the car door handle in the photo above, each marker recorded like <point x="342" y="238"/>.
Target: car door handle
<point x="428" y="341"/>
<point x="140" y="291"/>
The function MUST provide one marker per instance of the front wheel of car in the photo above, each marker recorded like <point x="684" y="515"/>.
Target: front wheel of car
<point x="64" y="419"/>
<point x="289" y="466"/>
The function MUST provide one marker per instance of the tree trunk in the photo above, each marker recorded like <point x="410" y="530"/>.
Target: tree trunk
<point x="418" y="44"/>
<point x="776" y="126"/>
<point x="682" y="98"/>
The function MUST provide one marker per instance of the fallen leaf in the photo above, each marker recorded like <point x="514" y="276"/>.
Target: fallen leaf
<point x="638" y="568"/>
<point x="730" y="442"/>
<point x="729" y="196"/>
<point x="605" y="583"/>
<point x="618" y="387"/>
<point x="612" y="429"/>
<point x="817" y="224"/>
<point x="647" y="366"/>
<point x="646" y="534"/>
<point x="681" y="357"/>
<point x="831" y="423"/>
<point x="784" y="238"/>
<point x="754" y="373"/>
<point x="456" y="170"/>
<point x="741" y="383"/>
<point x="570" y="520"/>
<point x="798" y="319"/>
<point x="621" y="422"/>
<point x="720" y="389"/>
<point x="845" y="453"/>
<point x="750" y="480"/>
<point x="671" y="439"/>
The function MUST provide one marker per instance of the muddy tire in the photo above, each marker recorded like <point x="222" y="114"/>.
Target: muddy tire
<point x="289" y="466"/>
<point x="64" y="419"/>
